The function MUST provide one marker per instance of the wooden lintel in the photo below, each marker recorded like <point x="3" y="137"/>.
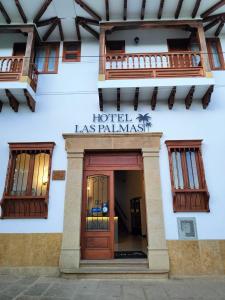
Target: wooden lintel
<point x="213" y="17"/>
<point x="1" y="104"/>
<point x="100" y="94"/>
<point x="42" y="10"/>
<point x="89" y="10"/>
<point x="196" y="8"/>
<point x="107" y="10"/>
<point x="50" y="30"/>
<point x="61" y="30"/>
<point x="30" y="101"/>
<point x="207" y="97"/>
<point x="46" y="22"/>
<point x="87" y="21"/>
<point x="178" y="9"/>
<point x="77" y="29"/>
<point x="154" y="98"/>
<point x="143" y="9"/>
<point x="211" y="24"/>
<point x="160" y="11"/>
<point x="219" y="28"/>
<point x="210" y="10"/>
<point x="4" y="13"/>
<point x="118" y="100"/>
<point x="136" y="98"/>
<point x="13" y="102"/>
<point x="189" y="97"/>
<point x="21" y="11"/>
<point x="124" y="10"/>
<point x="171" y="98"/>
<point x="90" y="30"/>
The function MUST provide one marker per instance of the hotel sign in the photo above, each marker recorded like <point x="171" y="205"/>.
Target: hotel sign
<point x="116" y="123"/>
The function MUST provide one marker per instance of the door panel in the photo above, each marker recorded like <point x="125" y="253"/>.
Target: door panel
<point x="97" y="236"/>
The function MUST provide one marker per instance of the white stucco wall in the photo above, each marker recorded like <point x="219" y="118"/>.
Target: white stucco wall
<point x="70" y="98"/>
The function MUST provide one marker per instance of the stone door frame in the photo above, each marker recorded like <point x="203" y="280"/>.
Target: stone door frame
<point x="149" y="145"/>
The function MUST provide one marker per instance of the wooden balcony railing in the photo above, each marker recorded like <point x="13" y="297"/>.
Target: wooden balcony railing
<point x="154" y="65"/>
<point x="11" y="69"/>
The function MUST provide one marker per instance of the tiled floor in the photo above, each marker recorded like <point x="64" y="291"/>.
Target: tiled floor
<point x="129" y="242"/>
<point x="45" y="288"/>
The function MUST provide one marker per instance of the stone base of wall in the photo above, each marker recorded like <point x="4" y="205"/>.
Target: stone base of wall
<point x="197" y="258"/>
<point x="39" y="254"/>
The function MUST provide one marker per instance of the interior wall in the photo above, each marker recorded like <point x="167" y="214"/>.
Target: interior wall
<point x="7" y="41"/>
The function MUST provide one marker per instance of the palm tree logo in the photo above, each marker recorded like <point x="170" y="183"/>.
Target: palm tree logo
<point x="145" y="119"/>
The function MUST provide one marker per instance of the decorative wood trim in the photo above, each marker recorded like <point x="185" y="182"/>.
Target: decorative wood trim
<point x="207" y="97"/>
<point x="118" y="99"/>
<point x="136" y="98"/>
<point x="210" y="10"/>
<point x="42" y="10"/>
<point x="30" y="101"/>
<point x="4" y="13"/>
<point x="13" y="102"/>
<point x="196" y="7"/>
<point x="124" y="10"/>
<point x="89" y="10"/>
<point x="21" y="11"/>
<point x="160" y="11"/>
<point x="189" y="97"/>
<point x="172" y="97"/>
<point x="100" y="94"/>
<point x="107" y="10"/>
<point x="143" y="9"/>
<point x="50" y="30"/>
<point x="154" y="98"/>
<point x="210" y="53"/>
<point x="178" y="9"/>
<point x="76" y="52"/>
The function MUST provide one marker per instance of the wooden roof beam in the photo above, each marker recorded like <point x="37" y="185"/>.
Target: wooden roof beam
<point x="213" y="17"/>
<point x="160" y="9"/>
<point x="42" y="10"/>
<point x="118" y="100"/>
<point x="89" y="10"/>
<point x="88" y="21"/>
<point x="21" y="11"/>
<point x="1" y="104"/>
<point x="100" y="94"/>
<point x="136" y="98"/>
<point x="46" y="22"/>
<point x="154" y="98"/>
<point x="207" y="97"/>
<point x="61" y="33"/>
<point x="13" y="102"/>
<point x="30" y="101"/>
<point x="4" y="13"/>
<point x="196" y="8"/>
<point x="107" y="10"/>
<point x="124" y="10"/>
<point x="189" y="98"/>
<point x="50" y="30"/>
<point x="219" y="28"/>
<point x="90" y="30"/>
<point x="211" y="24"/>
<point x="77" y="29"/>
<point x="171" y="98"/>
<point x="143" y="9"/>
<point x="179" y="6"/>
<point x="210" y="10"/>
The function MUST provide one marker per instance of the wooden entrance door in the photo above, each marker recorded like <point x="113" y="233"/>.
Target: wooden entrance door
<point x="97" y="236"/>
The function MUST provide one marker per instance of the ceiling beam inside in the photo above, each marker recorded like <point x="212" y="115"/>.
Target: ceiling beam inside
<point x="143" y="9"/>
<point x="42" y="10"/>
<point x="13" y="102"/>
<point x="4" y="13"/>
<point x="88" y="9"/>
<point x="21" y="11"/>
<point x="196" y="8"/>
<point x="210" y="10"/>
<point x="213" y="17"/>
<point x="160" y="11"/>
<point x="189" y="98"/>
<point x="179" y="6"/>
<point x="136" y="98"/>
<point x="154" y="98"/>
<point x="88" y="21"/>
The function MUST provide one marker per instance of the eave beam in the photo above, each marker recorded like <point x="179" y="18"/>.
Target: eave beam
<point x="21" y="11"/>
<point x="90" y="30"/>
<point x="4" y="13"/>
<point x="171" y="98"/>
<point x="87" y="21"/>
<point x="136" y="98"/>
<point x="179" y="6"/>
<point x="219" y="28"/>
<point x="124" y="10"/>
<point x="189" y="97"/>
<point x="213" y="17"/>
<point x="154" y="98"/>
<point x="213" y="8"/>
<point x="77" y="29"/>
<point x="143" y="9"/>
<point x="89" y="10"/>
<point x="1" y="104"/>
<point x="160" y="11"/>
<point x="13" y="102"/>
<point x="211" y="24"/>
<point x="42" y="10"/>
<point x="107" y="10"/>
<point x="196" y="8"/>
<point x="118" y="99"/>
<point x="61" y="30"/>
<point x="46" y="22"/>
<point x="100" y="99"/>
<point x="50" y="30"/>
<point x="207" y="97"/>
<point x="30" y="101"/>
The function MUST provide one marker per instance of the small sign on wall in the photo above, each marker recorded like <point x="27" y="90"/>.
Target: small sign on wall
<point x="58" y="175"/>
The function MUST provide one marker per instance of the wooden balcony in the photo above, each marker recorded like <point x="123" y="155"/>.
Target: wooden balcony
<point x="11" y="69"/>
<point x="154" y="65"/>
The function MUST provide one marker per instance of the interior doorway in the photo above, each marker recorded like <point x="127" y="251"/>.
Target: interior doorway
<point x="130" y="228"/>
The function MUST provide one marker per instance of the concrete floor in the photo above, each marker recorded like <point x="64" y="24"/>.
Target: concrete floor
<point x="45" y="288"/>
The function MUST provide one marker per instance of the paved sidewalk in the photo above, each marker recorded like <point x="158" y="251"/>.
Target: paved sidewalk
<point x="46" y="288"/>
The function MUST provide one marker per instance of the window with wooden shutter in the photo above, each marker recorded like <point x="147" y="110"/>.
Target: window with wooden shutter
<point x="71" y="51"/>
<point x="47" y="58"/>
<point x="215" y="54"/>
<point x="189" y="187"/>
<point x="27" y="181"/>
<point x="115" y="47"/>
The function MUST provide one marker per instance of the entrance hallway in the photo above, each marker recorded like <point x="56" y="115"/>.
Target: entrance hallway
<point x="43" y="288"/>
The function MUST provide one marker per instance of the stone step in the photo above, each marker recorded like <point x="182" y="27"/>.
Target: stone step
<point x="115" y="263"/>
